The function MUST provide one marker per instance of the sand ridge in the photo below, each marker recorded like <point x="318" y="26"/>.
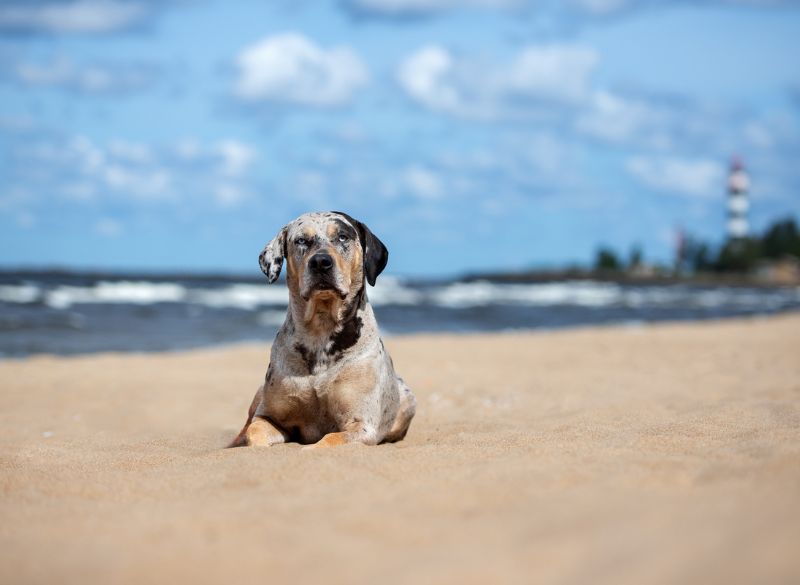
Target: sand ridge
<point x="655" y="454"/>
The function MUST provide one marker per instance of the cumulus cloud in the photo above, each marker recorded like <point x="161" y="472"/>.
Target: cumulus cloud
<point x="419" y="8"/>
<point x="62" y="73"/>
<point x="559" y="73"/>
<point x="289" y="68"/>
<point x="601" y="8"/>
<point x="422" y="182"/>
<point x="85" y="170"/>
<point x="72" y="16"/>
<point x="236" y="157"/>
<point x="536" y="76"/>
<point x="604" y="7"/>
<point x="425" y="77"/>
<point x="550" y="11"/>
<point x="617" y="119"/>
<point x="694" y="178"/>
<point x="108" y="227"/>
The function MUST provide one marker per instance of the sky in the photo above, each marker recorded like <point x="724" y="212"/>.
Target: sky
<point x="469" y="135"/>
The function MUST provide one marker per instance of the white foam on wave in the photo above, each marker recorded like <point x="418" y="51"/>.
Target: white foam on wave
<point x="592" y="294"/>
<point x="240" y="296"/>
<point x="393" y="291"/>
<point x="132" y="292"/>
<point x="19" y="293"/>
<point x="389" y="290"/>
<point x="482" y="293"/>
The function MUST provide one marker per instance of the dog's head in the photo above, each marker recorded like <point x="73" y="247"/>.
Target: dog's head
<point x="329" y="252"/>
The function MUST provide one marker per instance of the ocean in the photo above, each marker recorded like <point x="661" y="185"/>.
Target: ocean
<point x="74" y="313"/>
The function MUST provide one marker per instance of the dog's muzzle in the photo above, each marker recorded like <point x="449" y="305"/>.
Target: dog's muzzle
<point x="322" y="275"/>
<point x="320" y="263"/>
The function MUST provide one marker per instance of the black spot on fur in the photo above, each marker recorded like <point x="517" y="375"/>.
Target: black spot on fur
<point x="346" y="228"/>
<point x="307" y="356"/>
<point x="351" y="329"/>
<point x="347" y="337"/>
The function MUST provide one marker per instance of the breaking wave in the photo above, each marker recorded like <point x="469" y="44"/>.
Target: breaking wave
<point x="394" y="292"/>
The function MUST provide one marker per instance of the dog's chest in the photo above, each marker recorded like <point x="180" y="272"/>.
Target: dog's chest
<point x="312" y="405"/>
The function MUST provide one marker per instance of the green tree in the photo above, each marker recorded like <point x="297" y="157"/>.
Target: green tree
<point x="635" y="258"/>
<point x="607" y="260"/>
<point x="697" y="255"/>
<point x="781" y="239"/>
<point x="739" y="255"/>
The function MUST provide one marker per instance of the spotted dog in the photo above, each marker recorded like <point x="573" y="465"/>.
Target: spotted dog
<point x="330" y="380"/>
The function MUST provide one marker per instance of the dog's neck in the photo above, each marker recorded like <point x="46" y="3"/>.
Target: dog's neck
<point x="325" y="313"/>
<point x="321" y="313"/>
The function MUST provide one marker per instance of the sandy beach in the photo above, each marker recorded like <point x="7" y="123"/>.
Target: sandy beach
<point x="655" y="454"/>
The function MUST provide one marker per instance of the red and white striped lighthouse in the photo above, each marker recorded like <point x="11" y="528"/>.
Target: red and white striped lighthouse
<point x="738" y="200"/>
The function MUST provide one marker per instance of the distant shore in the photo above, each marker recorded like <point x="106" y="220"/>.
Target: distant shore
<point x="659" y="454"/>
<point x="626" y="277"/>
<point x="664" y="277"/>
<point x="77" y="313"/>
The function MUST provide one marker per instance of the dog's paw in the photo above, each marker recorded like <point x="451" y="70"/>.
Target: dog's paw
<point x="262" y="434"/>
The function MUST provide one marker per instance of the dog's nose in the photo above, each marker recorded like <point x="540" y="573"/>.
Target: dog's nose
<point x="320" y="262"/>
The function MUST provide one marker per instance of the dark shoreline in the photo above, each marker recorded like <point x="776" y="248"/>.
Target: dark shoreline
<point x="510" y="277"/>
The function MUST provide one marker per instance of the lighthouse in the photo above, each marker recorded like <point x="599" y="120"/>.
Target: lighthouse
<point x="738" y="201"/>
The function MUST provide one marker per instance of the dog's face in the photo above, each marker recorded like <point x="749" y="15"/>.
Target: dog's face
<point x="328" y="253"/>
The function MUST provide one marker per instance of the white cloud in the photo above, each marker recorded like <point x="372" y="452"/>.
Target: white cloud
<point x="81" y="169"/>
<point x="758" y="135"/>
<point x="537" y="76"/>
<point x="188" y="149"/>
<point x="148" y="183"/>
<point x="109" y="228"/>
<point x="601" y="7"/>
<point x="311" y="187"/>
<point x="62" y="73"/>
<point x="423" y="183"/>
<point x="616" y="119"/>
<point x="229" y="194"/>
<point x="552" y="8"/>
<point x="558" y="72"/>
<point x="131" y="151"/>
<point x="236" y="157"/>
<point x="406" y="8"/>
<point x="26" y="220"/>
<point x="424" y="77"/>
<point x="78" y="16"/>
<point x="290" y="68"/>
<point x="695" y="178"/>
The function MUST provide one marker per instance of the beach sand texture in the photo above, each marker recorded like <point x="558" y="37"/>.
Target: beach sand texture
<point x="655" y="454"/>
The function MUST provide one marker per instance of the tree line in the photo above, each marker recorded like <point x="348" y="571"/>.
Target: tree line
<point x="740" y="255"/>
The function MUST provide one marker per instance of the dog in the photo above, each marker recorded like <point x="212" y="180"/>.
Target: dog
<point x="330" y="380"/>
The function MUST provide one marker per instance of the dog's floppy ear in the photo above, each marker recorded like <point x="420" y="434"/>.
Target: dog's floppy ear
<point x="375" y="253"/>
<point x="271" y="257"/>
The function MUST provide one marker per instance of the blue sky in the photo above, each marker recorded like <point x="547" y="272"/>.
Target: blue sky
<point x="468" y="134"/>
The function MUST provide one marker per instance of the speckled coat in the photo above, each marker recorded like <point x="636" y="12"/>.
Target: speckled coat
<point x="330" y="379"/>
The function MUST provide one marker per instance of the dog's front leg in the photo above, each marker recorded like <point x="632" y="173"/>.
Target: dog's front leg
<point x="357" y="432"/>
<point x="262" y="433"/>
<point x="257" y="430"/>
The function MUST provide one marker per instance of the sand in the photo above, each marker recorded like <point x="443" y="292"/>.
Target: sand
<point x="656" y="454"/>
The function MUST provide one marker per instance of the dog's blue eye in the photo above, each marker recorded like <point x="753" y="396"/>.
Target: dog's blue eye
<point x="301" y="241"/>
<point x="343" y="237"/>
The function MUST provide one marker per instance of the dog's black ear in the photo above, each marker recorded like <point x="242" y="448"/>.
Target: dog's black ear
<point x="376" y="255"/>
<point x="271" y="257"/>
